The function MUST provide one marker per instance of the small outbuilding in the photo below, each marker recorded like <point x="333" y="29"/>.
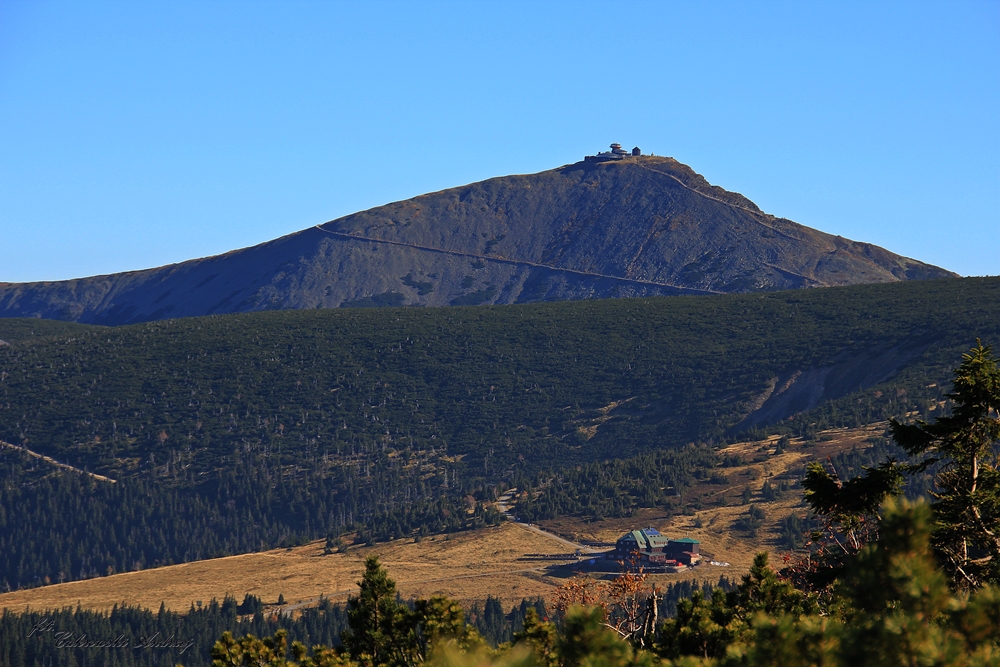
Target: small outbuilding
<point x="684" y="550"/>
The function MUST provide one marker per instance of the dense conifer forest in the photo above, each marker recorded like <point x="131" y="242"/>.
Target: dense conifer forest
<point x="244" y="432"/>
<point x="616" y="488"/>
<point x="143" y="638"/>
<point x="61" y="526"/>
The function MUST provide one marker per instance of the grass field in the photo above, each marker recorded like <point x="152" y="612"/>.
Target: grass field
<point x="713" y="525"/>
<point x="467" y="566"/>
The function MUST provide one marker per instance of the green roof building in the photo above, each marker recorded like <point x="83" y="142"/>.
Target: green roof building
<point x="654" y="548"/>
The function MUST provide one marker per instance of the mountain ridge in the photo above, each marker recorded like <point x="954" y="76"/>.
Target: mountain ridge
<point x="642" y="226"/>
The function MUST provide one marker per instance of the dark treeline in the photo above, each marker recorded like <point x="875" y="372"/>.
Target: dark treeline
<point x="53" y="526"/>
<point x="617" y="488"/>
<point x="143" y="638"/>
<point x="59" y="526"/>
<point x="246" y="432"/>
<point x="683" y="590"/>
<point x="498" y="627"/>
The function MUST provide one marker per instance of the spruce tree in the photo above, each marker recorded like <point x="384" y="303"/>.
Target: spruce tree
<point x="967" y="504"/>
<point x="849" y="516"/>
<point x="372" y="616"/>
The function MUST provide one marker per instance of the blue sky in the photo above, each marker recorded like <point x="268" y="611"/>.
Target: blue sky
<point x="136" y="134"/>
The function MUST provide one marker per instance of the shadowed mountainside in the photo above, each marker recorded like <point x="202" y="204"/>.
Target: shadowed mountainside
<point x="643" y="226"/>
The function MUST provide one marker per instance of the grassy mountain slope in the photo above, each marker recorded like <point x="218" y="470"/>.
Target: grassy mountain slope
<point x="238" y="432"/>
<point x="641" y="227"/>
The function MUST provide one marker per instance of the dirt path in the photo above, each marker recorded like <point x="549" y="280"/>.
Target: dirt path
<point x="517" y="262"/>
<point x="503" y="504"/>
<point x="505" y="508"/>
<point x="505" y="260"/>
<point x="698" y="192"/>
<point x="723" y="201"/>
<point x="561" y="540"/>
<point x="64" y="466"/>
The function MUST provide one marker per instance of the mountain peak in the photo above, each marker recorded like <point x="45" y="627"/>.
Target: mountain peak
<point x="612" y="225"/>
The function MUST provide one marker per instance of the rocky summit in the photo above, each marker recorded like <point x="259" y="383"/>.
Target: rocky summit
<point x="628" y="225"/>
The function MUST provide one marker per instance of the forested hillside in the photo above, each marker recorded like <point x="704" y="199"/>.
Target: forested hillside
<point x="235" y="433"/>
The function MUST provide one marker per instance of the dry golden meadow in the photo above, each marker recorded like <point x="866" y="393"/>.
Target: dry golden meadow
<point x="465" y="566"/>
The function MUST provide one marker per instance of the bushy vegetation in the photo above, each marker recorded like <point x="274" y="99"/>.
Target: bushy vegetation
<point x="963" y="447"/>
<point x="616" y="488"/>
<point x="173" y="397"/>
<point x="245" y="432"/>
<point x="497" y="627"/>
<point x="751" y="521"/>
<point x="22" y="329"/>
<point x="912" y="583"/>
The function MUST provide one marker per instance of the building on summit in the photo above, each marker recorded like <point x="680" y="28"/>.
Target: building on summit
<point x="616" y="153"/>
